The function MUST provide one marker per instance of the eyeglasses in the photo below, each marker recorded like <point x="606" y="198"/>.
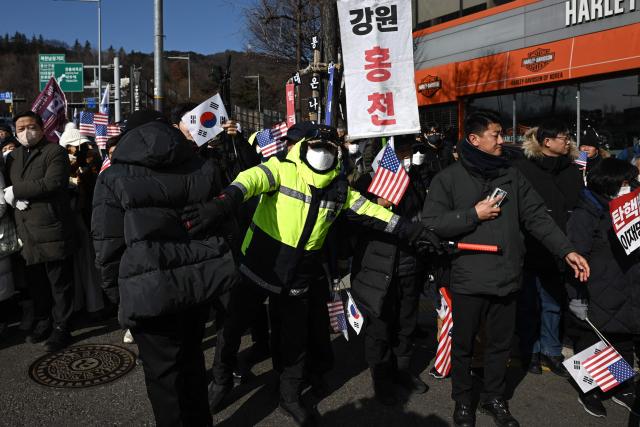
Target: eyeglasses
<point x="564" y="139"/>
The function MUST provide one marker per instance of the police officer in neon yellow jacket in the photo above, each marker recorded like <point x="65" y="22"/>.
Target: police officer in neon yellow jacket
<point x="281" y="253"/>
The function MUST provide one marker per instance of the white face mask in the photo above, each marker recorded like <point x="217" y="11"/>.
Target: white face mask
<point x="72" y="158"/>
<point x="320" y="159"/>
<point x="29" y="137"/>
<point x="625" y="189"/>
<point x="5" y="154"/>
<point x="353" y="148"/>
<point x="417" y="159"/>
<point x="406" y="163"/>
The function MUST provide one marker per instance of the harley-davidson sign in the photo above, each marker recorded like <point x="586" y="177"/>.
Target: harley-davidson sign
<point x="430" y="85"/>
<point x="538" y="59"/>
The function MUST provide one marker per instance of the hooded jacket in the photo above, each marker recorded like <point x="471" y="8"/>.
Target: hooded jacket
<point x="450" y="211"/>
<point x="559" y="182"/>
<point x="142" y="248"/>
<point x="613" y="288"/>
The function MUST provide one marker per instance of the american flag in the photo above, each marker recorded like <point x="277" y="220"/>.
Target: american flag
<point x="101" y="136"/>
<point x="443" y="355"/>
<point x="280" y="130"/>
<point x="100" y="119"/>
<point x="337" y="316"/>
<point x="105" y="164"/>
<point x="390" y="180"/>
<point x="582" y="159"/>
<point x="268" y="144"/>
<point x="608" y="368"/>
<point x="86" y="123"/>
<point x="113" y="130"/>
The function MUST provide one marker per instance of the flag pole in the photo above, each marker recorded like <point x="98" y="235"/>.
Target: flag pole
<point x="598" y="333"/>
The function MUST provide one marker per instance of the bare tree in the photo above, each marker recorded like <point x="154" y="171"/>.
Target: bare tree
<point x="283" y="28"/>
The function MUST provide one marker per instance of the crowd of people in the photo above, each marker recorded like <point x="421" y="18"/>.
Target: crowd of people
<point x="172" y="235"/>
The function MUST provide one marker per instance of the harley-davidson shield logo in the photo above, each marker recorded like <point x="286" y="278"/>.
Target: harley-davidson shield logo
<point x="538" y="59"/>
<point x="430" y="85"/>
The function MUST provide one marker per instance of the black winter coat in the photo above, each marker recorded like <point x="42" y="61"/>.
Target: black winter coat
<point x="559" y="182"/>
<point x="450" y="211"/>
<point x="379" y="257"/>
<point x="613" y="288"/>
<point x="141" y="245"/>
<point x="40" y="175"/>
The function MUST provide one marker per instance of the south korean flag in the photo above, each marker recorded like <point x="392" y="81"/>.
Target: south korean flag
<point x="580" y="374"/>
<point x="205" y="121"/>
<point x="356" y="319"/>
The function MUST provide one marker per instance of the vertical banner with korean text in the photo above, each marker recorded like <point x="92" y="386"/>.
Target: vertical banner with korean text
<point x="379" y="72"/>
<point x="625" y="215"/>
<point x="291" y="104"/>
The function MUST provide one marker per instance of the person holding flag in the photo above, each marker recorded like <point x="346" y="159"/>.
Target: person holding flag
<point x="484" y="286"/>
<point x="281" y="254"/>
<point x="387" y="274"/>
<point x="611" y="298"/>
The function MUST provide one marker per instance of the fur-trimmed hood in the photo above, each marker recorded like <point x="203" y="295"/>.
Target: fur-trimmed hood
<point x="532" y="148"/>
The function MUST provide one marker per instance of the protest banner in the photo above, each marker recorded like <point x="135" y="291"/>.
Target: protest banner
<point x="379" y="72"/>
<point x="625" y="215"/>
<point x="291" y="106"/>
<point x="51" y="105"/>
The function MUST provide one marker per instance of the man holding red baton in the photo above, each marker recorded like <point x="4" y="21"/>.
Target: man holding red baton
<point x="483" y="200"/>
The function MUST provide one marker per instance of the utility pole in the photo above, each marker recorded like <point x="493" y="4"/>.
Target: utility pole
<point x="116" y="94"/>
<point x="158" y="93"/>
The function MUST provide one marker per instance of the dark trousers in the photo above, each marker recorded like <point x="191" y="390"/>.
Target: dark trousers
<point x="387" y="339"/>
<point x="174" y="370"/>
<point x="51" y="289"/>
<point x="468" y="312"/>
<point x="584" y="337"/>
<point x="291" y="323"/>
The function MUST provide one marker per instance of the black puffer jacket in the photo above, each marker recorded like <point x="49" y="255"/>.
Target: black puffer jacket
<point x="379" y="257"/>
<point x="141" y="245"/>
<point x="40" y="175"/>
<point x="559" y="182"/>
<point x="613" y="289"/>
<point x="450" y="211"/>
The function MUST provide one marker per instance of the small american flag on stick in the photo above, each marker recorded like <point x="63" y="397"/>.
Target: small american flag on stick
<point x="269" y="145"/>
<point x="443" y="355"/>
<point x="280" y="130"/>
<point x="582" y="159"/>
<point x="86" y="123"/>
<point x="390" y="180"/>
<point x="608" y="368"/>
<point x="337" y="316"/>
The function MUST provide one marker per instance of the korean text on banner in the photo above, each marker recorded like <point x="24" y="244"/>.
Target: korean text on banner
<point x="51" y="105"/>
<point x="205" y="121"/>
<point x="625" y="214"/>
<point x="379" y="70"/>
<point x="291" y="104"/>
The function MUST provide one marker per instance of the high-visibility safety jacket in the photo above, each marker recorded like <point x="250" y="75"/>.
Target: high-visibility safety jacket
<point x="294" y="215"/>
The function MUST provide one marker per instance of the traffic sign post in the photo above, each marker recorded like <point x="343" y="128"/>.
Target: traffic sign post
<point x="70" y="76"/>
<point x="46" y="62"/>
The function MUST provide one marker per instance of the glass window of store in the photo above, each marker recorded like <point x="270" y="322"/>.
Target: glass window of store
<point x="428" y="13"/>
<point x="612" y="108"/>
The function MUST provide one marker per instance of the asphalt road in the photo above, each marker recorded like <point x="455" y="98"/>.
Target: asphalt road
<point x="544" y="400"/>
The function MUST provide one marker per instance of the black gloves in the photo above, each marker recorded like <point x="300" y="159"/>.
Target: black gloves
<point x="419" y="237"/>
<point x="205" y="216"/>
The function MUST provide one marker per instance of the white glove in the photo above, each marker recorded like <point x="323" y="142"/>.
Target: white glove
<point x="8" y="195"/>
<point x="579" y="308"/>
<point x="22" y="204"/>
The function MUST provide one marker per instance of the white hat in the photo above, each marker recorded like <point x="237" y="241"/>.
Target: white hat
<point x="72" y="136"/>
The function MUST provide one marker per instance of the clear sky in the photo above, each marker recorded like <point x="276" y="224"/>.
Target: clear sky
<point x="203" y="26"/>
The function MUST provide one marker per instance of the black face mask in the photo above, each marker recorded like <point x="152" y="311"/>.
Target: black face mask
<point x="434" y="139"/>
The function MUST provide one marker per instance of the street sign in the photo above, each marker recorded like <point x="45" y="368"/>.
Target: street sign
<point x="45" y="66"/>
<point x="91" y="102"/>
<point x="7" y="97"/>
<point x="70" y="76"/>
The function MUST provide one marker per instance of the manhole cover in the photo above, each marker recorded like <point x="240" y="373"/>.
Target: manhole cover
<point x="82" y="366"/>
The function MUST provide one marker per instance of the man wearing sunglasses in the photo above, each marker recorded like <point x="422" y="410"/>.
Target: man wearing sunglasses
<point x="302" y="196"/>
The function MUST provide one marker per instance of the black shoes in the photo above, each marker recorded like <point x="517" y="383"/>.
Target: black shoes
<point x="592" y="404"/>
<point x="410" y="382"/>
<point x="298" y="412"/>
<point x="59" y="339"/>
<point x="628" y="401"/>
<point x="40" y="332"/>
<point x="435" y="374"/>
<point x="554" y="363"/>
<point x="499" y="410"/>
<point x="464" y="415"/>
<point x="383" y="385"/>
<point x="534" y="364"/>
<point x="217" y="393"/>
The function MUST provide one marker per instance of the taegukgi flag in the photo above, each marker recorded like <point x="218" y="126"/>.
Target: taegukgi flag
<point x="356" y="319"/>
<point x="377" y="45"/>
<point x="577" y="370"/>
<point x="205" y="121"/>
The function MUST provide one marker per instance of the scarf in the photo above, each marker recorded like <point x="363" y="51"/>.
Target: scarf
<point x="480" y="163"/>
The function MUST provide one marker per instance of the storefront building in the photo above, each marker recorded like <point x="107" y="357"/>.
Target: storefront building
<point x="577" y="60"/>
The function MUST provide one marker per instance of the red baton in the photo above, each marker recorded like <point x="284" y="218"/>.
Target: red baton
<point x="476" y="247"/>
